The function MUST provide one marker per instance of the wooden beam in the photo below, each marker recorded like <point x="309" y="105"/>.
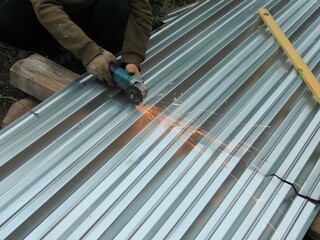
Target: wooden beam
<point x="39" y="76"/>
<point x="291" y="52"/>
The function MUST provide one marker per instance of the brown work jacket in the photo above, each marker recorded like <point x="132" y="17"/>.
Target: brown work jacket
<point x="52" y="15"/>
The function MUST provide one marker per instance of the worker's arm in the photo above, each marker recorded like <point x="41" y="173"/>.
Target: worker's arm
<point x="52" y="15"/>
<point x="138" y="32"/>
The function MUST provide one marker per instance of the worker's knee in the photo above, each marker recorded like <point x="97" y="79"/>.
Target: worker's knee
<point x="4" y="24"/>
<point x="113" y="8"/>
<point x="5" y="30"/>
<point x="122" y="8"/>
<point x="16" y="19"/>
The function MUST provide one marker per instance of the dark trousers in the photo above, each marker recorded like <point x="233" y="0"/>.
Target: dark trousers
<point x="104" y="22"/>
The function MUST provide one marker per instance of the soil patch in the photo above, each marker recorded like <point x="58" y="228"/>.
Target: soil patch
<point x="8" y="93"/>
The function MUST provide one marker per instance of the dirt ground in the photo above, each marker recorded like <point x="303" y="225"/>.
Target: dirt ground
<point x="8" y="93"/>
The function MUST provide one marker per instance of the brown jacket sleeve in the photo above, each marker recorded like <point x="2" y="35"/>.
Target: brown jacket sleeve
<point x="138" y="32"/>
<point x="52" y="15"/>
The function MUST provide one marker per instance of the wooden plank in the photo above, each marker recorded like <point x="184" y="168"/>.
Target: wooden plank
<point x="39" y="76"/>
<point x="291" y="52"/>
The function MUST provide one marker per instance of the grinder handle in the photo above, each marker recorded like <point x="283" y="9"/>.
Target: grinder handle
<point x="112" y="68"/>
<point x="120" y="76"/>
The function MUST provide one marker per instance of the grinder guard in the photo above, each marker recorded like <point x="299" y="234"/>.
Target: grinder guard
<point x="133" y="85"/>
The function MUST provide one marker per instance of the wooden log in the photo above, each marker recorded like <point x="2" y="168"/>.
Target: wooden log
<point x="39" y="76"/>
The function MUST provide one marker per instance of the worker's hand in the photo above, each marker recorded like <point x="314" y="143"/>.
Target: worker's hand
<point x="132" y="69"/>
<point x="99" y="66"/>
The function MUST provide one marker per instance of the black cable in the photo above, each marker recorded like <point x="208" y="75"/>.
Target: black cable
<point x="314" y="201"/>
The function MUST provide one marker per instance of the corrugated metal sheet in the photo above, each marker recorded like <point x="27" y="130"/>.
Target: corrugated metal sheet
<point x="225" y="110"/>
<point x="174" y="13"/>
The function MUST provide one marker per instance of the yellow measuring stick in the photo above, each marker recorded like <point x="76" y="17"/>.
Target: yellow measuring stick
<point x="291" y="52"/>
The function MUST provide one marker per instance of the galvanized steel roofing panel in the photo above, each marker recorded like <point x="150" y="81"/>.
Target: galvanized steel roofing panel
<point x="225" y="111"/>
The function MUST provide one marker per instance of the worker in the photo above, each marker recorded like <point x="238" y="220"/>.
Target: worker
<point x="90" y="29"/>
